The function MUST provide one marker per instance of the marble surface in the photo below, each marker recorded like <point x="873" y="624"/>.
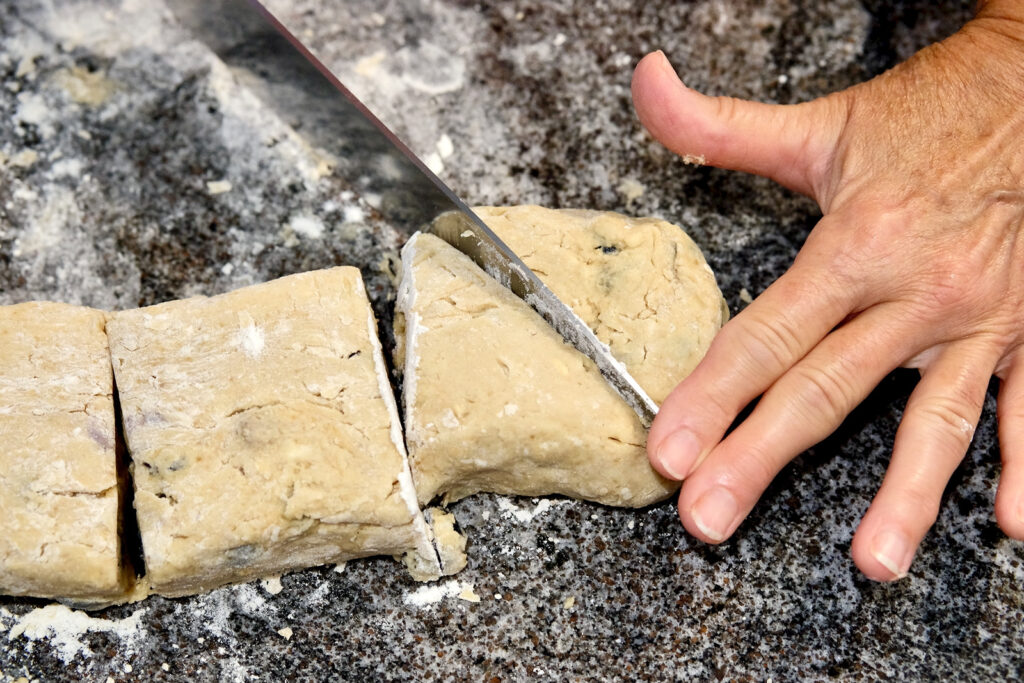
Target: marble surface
<point x="115" y="124"/>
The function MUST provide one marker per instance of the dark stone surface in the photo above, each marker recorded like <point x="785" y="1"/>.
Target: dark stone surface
<point x="115" y="212"/>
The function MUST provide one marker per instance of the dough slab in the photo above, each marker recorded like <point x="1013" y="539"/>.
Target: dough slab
<point x="58" y="471"/>
<point x="264" y="434"/>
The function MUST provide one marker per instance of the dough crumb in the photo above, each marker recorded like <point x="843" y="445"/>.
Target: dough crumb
<point x="745" y="296"/>
<point x="165" y="667"/>
<point x="285" y="633"/>
<point x="570" y="602"/>
<point x="218" y="186"/>
<point x="449" y="543"/>
<point x="368" y="65"/>
<point x="339" y="568"/>
<point x="272" y="584"/>
<point x="631" y="189"/>
<point x="694" y="160"/>
<point x="468" y="594"/>
<point x="24" y="158"/>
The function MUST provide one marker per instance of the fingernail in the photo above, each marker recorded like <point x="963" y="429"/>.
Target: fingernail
<point x="893" y="551"/>
<point x="715" y="512"/>
<point x="677" y="453"/>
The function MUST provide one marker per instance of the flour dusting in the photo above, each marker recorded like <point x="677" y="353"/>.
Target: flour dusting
<point x="521" y="515"/>
<point x="252" y="340"/>
<point x="436" y="592"/>
<point x="64" y="628"/>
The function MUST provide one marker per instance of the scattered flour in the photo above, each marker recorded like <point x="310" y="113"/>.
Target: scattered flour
<point x="434" y="163"/>
<point x="445" y="146"/>
<point x="64" y="628"/>
<point x="318" y="595"/>
<point x="252" y="340"/>
<point x="307" y="226"/>
<point x="354" y="214"/>
<point x="436" y="592"/>
<point x="512" y="511"/>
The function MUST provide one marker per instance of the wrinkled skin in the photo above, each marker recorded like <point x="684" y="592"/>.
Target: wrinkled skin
<point x="917" y="262"/>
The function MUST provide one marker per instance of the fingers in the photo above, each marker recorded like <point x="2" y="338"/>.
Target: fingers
<point x="936" y="430"/>
<point x="803" y="407"/>
<point x="750" y="352"/>
<point x="1010" y="496"/>
<point x="791" y="144"/>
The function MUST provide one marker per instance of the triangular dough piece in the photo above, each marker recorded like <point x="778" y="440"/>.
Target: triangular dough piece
<point x="495" y="400"/>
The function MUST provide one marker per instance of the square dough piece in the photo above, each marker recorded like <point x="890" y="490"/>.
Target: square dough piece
<point x="264" y="434"/>
<point x="59" y="499"/>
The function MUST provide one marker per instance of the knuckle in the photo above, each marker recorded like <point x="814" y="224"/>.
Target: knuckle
<point x="950" y="418"/>
<point x="771" y="345"/>
<point x="825" y="392"/>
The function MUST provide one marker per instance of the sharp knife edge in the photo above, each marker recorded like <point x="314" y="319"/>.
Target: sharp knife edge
<point x="279" y="69"/>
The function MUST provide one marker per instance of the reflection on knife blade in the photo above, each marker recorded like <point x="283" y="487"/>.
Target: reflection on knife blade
<point x="272" y="63"/>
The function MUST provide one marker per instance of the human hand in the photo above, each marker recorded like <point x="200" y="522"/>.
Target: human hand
<point x="918" y="261"/>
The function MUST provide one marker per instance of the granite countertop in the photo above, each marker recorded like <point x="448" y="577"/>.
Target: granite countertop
<point x="115" y="125"/>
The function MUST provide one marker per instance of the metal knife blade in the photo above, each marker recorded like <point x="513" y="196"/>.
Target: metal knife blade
<point x="286" y="77"/>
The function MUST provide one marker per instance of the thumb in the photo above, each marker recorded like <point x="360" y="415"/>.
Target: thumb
<point x="791" y="144"/>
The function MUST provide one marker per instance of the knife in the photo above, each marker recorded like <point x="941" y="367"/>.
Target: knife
<point x="277" y="68"/>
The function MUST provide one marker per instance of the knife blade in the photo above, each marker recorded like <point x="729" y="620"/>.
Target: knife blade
<point x="267" y="59"/>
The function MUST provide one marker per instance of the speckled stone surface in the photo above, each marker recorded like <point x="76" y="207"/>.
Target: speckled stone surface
<point x="114" y="124"/>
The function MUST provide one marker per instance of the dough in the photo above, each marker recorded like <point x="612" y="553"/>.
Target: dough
<point x="496" y="401"/>
<point x="58" y="464"/>
<point x="641" y="284"/>
<point x="264" y="434"/>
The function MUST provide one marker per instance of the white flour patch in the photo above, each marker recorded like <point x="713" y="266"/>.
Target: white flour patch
<point x="319" y="595"/>
<point x="252" y="340"/>
<point x="307" y="226"/>
<point x="435" y="593"/>
<point x="354" y="214"/>
<point x="63" y="628"/>
<point x="445" y="146"/>
<point x="512" y="511"/>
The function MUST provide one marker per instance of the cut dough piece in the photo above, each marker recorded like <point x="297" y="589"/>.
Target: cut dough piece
<point x="59" y="500"/>
<point x="495" y="400"/>
<point x="264" y="434"/>
<point x="641" y="284"/>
